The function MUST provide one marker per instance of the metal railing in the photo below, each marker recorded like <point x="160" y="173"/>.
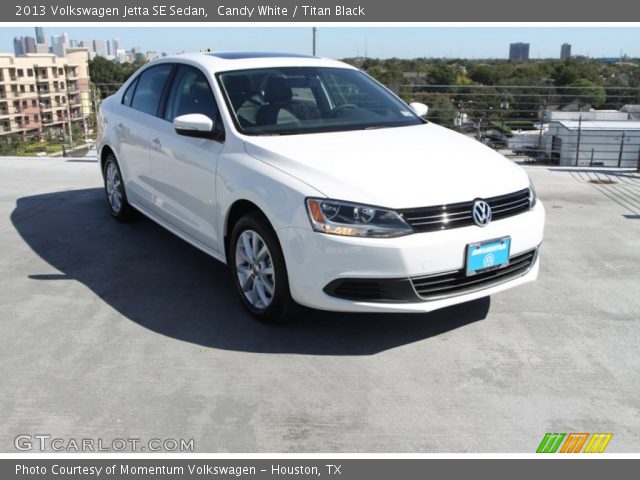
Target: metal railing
<point x="542" y="123"/>
<point x="547" y="124"/>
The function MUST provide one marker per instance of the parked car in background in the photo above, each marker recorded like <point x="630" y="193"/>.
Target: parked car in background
<point x="316" y="185"/>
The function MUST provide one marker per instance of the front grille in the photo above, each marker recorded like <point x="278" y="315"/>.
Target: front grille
<point x="457" y="282"/>
<point x="456" y="215"/>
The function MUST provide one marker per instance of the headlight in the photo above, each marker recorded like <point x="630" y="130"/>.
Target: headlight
<point x="533" y="197"/>
<point x="353" y="220"/>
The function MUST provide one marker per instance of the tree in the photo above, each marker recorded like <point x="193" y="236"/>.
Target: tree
<point x="108" y="75"/>
<point x="77" y="132"/>
<point x="441" y="109"/>
<point x="442" y="74"/>
<point x="586" y="92"/>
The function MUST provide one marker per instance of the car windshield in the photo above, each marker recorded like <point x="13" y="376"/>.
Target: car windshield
<point x="297" y="100"/>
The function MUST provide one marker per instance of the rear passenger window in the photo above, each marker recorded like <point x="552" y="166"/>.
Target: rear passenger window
<point x="148" y="93"/>
<point x="128" y="94"/>
<point x="190" y="93"/>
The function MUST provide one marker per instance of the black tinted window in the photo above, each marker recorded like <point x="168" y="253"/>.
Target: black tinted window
<point x="148" y="93"/>
<point x="128" y="94"/>
<point x="297" y="100"/>
<point x="190" y="93"/>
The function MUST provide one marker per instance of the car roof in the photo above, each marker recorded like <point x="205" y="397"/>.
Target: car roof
<point x="229" y="61"/>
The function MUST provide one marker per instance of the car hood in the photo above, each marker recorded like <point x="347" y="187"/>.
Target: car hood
<point x="400" y="167"/>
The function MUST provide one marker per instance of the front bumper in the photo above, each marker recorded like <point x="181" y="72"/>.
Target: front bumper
<point x="315" y="261"/>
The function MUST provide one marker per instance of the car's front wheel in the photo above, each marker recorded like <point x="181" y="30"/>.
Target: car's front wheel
<point x="259" y="271"/>
<point x="114" y="188"/>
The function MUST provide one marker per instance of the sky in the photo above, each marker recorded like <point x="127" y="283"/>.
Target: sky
<point x="379" y="42"/>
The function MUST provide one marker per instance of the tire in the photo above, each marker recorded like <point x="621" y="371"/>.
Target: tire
<point x="260" y="278"/>
<point x="114" y="189"/>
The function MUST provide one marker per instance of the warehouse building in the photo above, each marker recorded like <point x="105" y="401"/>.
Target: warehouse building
<point x="593" y="142"/>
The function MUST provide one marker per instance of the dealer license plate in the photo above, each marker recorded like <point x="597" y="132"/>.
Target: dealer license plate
<point x="489" y="255"/>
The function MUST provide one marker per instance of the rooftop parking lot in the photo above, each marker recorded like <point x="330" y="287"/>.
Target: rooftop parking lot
<point x="118" y="331"/>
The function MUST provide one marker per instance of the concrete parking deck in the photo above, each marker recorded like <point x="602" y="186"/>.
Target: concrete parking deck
<point x="124" y="331"/>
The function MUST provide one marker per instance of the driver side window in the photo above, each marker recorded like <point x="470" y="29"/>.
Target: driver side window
<point x="190" y="93"/>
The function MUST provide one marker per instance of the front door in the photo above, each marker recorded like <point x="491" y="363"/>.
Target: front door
<point x="184" y="168"/>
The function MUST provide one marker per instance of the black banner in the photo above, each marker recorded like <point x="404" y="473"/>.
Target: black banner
<point x="72" y="11"/>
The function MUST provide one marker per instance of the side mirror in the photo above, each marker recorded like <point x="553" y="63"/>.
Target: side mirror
<point x="195" y="125"/>
<point x="420" y="109"/>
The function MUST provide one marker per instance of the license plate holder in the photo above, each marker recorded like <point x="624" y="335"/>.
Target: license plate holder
<point x="487" y="255"/>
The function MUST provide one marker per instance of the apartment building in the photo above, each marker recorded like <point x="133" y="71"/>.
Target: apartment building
<point x="43" y="92"/>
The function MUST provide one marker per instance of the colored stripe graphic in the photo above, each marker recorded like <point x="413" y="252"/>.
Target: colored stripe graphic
<point x="550" y="443"/>
<point x="598" y="442"/>
<point x="574" y="443"/>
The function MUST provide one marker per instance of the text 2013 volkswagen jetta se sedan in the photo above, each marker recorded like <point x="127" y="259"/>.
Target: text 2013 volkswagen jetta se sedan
<point x="316" y="185"/>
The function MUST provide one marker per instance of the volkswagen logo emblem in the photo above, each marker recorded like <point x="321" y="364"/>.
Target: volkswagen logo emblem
<point x="481" y="213"/>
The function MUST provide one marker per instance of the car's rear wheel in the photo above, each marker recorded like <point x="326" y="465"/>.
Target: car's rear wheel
<point x="114" y="188"/>
<point x="258" y="270"/>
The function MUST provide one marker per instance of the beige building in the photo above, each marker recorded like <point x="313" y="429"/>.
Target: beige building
<point x="42" y="92"/>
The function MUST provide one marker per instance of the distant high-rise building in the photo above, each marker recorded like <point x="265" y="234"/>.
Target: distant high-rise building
<point x="30" y="44"/>
<point x="152" y="55"/>
<point x="87" y="44"/>
<point x="73" y="44"/>
<point x="41" y="37"/>
<point x="24" y="45"/>
<point x="121" y="56"/>
<point x="59" y="44"/>
<point x="101" y="48"/>
<point x="519" y="51"/>
<point x="565" y="51"/>
<point x="18" y="46"/>
<point x="115" y="46"/>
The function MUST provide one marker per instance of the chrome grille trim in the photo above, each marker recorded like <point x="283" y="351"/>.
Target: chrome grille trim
<point x="457" y="215"/>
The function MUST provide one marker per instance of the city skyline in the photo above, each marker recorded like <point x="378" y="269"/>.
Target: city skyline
<point x="408" y="42"/>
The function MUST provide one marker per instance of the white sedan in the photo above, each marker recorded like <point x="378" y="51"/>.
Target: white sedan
<point x="316" y="185"/>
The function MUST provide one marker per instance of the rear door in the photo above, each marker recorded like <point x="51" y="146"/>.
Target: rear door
<point x="140" y="102"/>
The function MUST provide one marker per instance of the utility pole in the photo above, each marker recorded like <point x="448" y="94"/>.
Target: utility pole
<point x="542" y="115"/>
<point x="314" y="30"/>
<point x="578" y="142"/>
<point x="621" y="149"/>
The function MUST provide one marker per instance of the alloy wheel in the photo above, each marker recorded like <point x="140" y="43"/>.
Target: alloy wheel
<point x="254" y="269"/>
<point x="114" y="185"/>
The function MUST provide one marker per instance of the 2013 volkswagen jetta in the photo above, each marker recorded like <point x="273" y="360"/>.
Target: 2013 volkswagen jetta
<point x="316" y="185"/>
